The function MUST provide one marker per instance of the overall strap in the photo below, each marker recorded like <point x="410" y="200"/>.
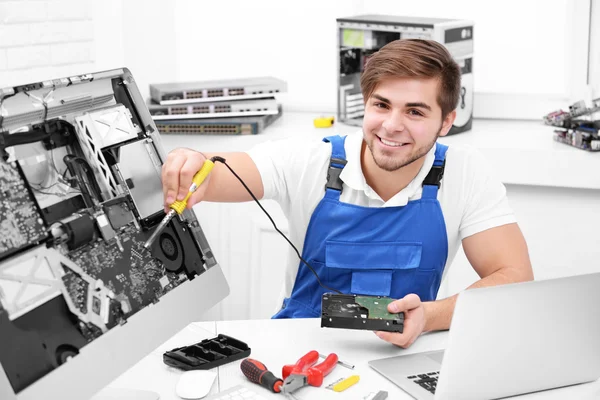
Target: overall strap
<point x="333" y="189"/>
<point x="432" y="181"/>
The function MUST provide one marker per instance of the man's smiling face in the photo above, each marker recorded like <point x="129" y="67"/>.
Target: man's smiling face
<point x="403" y="120"/>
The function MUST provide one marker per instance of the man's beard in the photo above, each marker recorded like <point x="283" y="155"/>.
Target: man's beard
<point x="390" y="164"/>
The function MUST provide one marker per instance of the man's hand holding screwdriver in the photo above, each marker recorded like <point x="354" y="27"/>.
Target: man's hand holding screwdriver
<point x="177" y="174"/>
<point x="220" y="185"/>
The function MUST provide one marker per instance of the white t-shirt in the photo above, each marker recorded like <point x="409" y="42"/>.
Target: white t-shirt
<point x="294" y="174"/>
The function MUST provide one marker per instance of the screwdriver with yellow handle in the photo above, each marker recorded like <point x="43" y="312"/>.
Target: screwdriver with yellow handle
<point x="179" y="206"/>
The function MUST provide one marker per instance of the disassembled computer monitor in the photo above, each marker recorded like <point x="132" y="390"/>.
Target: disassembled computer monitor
<point x="81" y="299"/>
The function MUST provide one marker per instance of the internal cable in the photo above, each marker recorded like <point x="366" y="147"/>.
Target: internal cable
<point x="222" y="160"/>
<point x="2" y="99"/>
<point x="43" y="100"/>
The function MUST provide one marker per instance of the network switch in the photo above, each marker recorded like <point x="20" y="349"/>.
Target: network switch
<point x="237" y="108"/>
<point x="211" y="91"/>
<point x="218" y="126"/>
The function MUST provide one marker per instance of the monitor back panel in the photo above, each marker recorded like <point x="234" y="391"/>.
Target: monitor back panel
<point x="80" y="192"/>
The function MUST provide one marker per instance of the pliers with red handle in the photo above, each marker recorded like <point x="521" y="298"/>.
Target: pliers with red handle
<point x="303" y="373"/>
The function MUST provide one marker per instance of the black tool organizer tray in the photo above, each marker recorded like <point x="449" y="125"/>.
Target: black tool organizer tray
<point x="207" y="354"/>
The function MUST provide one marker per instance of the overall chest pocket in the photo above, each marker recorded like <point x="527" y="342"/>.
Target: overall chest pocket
<point x="368" y="268"/>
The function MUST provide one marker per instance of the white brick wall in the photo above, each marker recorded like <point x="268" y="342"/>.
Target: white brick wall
<point x="2" y="59"/>
<point x="45" y="39"/>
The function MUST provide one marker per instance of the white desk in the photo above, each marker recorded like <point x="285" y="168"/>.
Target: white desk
<point x="279" y="342"/>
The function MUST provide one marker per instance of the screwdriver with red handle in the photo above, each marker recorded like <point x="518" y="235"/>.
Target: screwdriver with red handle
<point x="258" y="373"/>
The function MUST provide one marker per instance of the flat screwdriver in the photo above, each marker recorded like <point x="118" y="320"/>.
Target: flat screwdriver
<point x="178" y="206"/>
<point x="259" y="374"/>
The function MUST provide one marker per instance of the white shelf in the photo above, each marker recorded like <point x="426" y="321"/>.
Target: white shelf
<point x="524" y="153"/>
<point x="521" y="152"/>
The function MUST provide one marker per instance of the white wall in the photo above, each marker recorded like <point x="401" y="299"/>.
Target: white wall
<point x="530" y="55"/>
<point x="560" y="226"/>
<point x="45" y="39"/>
<point x="108" y="34"/>
<point x="295" y="41"/>
<point x="594" y="73"/>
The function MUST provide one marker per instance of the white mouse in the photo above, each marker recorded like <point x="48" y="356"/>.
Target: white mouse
<point x="195" y="384"/>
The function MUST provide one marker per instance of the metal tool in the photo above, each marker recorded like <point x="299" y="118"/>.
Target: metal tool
<point x="381" y="395"/>
<point x="179" y="205"/>
<point x="258" y="373"/>
<point x="343" y="363"/>
<point x="303" y="373"/>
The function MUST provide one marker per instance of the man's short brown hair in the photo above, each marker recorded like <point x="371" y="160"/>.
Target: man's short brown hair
<point x="414" y="58"/>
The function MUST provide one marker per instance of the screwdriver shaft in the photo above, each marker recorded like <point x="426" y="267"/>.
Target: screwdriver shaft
<point x="160" y="228"/>
<point x="345" y="364"/>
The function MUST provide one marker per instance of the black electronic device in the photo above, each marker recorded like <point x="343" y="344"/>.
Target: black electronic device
<point x="207" y="354"/>
<point x="352" y="311"/>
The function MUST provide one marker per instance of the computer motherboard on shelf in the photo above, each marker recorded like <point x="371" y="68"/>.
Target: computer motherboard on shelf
<point x="580" y="125"/>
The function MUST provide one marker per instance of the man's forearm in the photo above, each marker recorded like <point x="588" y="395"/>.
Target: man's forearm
<point x="438" y="314"/>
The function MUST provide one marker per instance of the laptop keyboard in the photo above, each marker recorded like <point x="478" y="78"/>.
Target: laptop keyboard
<point x="427" y="381"/>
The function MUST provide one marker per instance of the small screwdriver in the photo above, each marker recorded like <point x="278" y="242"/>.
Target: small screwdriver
<point x="258" y="373"/>
<point x="178" y="206"/>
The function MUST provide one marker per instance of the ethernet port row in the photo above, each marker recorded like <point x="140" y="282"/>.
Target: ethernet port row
<point x="178" y="110"/>
<point x="190" y="129"/>
<point x="194" y="95"/>
<point x="214" y="93"/>
<point x="236" y="91"/>
<point x="221" y="129"/>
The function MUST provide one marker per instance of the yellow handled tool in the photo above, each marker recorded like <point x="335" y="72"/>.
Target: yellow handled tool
<point x="179" y="206"/>
<point x="342" y="384"/>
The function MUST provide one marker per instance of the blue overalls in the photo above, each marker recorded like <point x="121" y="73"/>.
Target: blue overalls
<point x="386" y="251"/>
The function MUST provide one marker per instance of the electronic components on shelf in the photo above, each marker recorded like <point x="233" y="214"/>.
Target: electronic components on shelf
<point x="580" y="126"/>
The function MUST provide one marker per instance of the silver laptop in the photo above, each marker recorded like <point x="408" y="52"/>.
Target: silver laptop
<point x="509" y="340"/>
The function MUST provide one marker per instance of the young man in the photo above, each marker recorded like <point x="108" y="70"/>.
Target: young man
<point x="370" y="212"/>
